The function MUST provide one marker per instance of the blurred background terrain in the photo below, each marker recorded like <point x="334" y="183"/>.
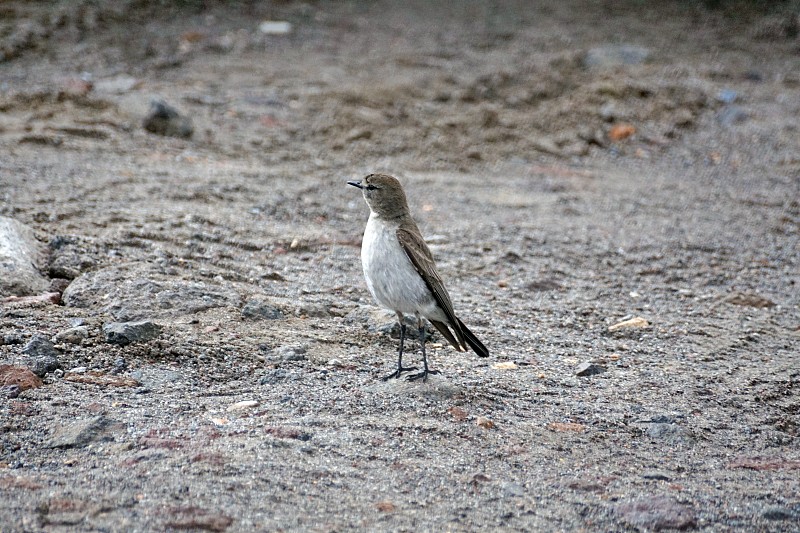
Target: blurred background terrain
<point x="610" y="188"/>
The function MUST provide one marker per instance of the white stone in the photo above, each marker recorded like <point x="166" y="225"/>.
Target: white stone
<point x="275" y="27"/>
<point x="21" y="255"/>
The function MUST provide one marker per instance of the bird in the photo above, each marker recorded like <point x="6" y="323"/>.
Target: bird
<point x="401" y="274"/>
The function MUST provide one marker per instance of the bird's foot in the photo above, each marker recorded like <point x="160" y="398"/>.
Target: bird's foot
<point x="396" y="373"/>
<point x="422" y="375"/>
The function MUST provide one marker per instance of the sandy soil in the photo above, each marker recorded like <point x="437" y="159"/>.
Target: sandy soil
<point x="573" y="165"/>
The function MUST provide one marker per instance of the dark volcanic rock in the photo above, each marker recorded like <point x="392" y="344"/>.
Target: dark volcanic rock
<point x="259" y="309"/>
<point x="124" y="333"/>
<point x="165" y="120"/>
<point x="69" y="257"/>
<point x="43" y="356"/>
<point x="589" y="369"/>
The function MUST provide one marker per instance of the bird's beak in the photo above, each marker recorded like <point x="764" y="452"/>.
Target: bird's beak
<point x="355" y="184"/>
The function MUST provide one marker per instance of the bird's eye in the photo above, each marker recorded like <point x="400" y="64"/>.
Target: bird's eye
<point x="371" y="187"/>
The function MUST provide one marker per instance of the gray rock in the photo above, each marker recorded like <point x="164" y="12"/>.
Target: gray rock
<point x="43" y="355"/>
<point x="656" y="513"/>
<point x="314" y="310"/>
<point x="43" y="365"/>
<point x="778" y="512"/>
<point x="669" y="433"/>
<point x="275" y="376"/>
<point x="21" y="255"/>
<point x="74" y="335"/>
<point x="10" y="391"/>
<point x="614" y="55"/>
<point x="163" y="119"/>
<point x="588" y="369"/>
<point x="124" y="333"/>
<point x="155" y="378"/>
<point x="69" y="257"/>
<point x="39" y="346"/>
<point x="139" y="291"/>
<point x="656" y="475"/>
<point x="291" y="353"/>
<point x="259" y="309"/>
<point x="79" y="433"/>
<point x="120" y="364"/>
<point x="11" y="338"/>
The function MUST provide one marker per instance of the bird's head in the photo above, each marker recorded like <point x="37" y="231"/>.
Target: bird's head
<point x="384" y="195"/>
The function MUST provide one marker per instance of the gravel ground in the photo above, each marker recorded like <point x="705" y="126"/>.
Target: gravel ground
<point x="612" y="193"/>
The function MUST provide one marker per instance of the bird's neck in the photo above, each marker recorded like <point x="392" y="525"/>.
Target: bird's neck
<point x="397" y="218"/>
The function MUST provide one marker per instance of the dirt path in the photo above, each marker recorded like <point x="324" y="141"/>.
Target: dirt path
<point x="569" y="174"/>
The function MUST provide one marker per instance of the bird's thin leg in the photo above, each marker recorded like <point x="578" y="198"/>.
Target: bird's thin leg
<point x="400" y="368"/>
<point x="424" y="374"/>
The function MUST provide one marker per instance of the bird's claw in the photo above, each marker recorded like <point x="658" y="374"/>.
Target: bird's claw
<point x="396" y="373"/>
<point x="422" y="375"/>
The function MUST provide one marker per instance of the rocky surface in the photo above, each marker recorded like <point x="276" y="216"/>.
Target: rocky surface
<point x="606" y="186"/>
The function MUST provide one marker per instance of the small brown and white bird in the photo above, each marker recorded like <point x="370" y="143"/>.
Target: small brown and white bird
<point x="401" y="274"/>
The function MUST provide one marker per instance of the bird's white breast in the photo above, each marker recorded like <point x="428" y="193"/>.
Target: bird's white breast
<point x="391" y="277"/>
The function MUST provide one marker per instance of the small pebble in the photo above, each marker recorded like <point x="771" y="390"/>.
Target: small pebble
<point x="291" y="353"/>
<point x="620" y="132"/>
<point x="727" y="96"/>
<point x="484" y="422"/>
<point x="165" y="120"/>
<point x="244" y="404"/>
<point x="635" y="322"/>
<point x="275" y="27"/>
<point x="74" y="335"/>
<point x="589" y="369"/>
<point x="655" y="474"/>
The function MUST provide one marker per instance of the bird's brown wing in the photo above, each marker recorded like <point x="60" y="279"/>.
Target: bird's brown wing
<point x="417" y="251"/>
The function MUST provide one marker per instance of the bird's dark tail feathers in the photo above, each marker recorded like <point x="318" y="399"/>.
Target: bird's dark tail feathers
<point x="470" y="338"/>
<point x="465" y="338"/>
<point x="443" y="329"/>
